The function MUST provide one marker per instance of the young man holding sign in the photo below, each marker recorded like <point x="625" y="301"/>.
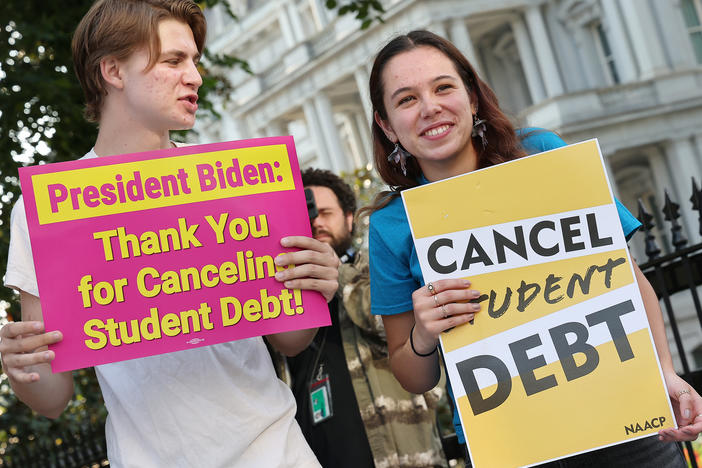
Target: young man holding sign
<point x="219" y="405"/>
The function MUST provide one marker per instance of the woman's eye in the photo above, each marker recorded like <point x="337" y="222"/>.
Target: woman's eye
<point x="444" y="87"/>
<point x="404" y="100"/>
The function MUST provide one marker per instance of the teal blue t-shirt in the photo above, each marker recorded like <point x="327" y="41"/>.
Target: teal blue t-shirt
<point x="394" y="267"/>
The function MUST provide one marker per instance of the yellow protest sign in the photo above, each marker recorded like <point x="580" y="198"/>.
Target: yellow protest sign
<point x="560" y="360"/>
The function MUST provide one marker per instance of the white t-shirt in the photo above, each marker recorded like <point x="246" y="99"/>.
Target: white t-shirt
<point x="214" y="406"/>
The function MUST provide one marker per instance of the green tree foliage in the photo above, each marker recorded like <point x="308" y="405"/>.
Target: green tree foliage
<point x="366" y="185"/>
<point x="41" y="121"/>
<point x="365" y="11"/>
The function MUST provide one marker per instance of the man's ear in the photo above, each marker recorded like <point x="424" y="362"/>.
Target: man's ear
<point x="110" y="69"/>
<point x="349" y="221"/>
<point x="385" y="126"/>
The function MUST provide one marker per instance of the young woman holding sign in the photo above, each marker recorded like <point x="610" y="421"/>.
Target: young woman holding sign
<point x="434" y="118"/>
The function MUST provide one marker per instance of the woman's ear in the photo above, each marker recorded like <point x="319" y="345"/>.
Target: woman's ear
<point x="387" y="129"/>
<point x="111" y="73"/>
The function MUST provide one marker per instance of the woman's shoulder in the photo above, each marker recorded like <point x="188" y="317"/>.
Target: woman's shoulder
<point x="389" y="225"/>
<point x="393" y="212"/>
<point x="536" y="140"/>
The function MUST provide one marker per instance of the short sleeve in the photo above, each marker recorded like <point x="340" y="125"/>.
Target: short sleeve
<point x="629" y="223"/>
<point x="391" y="281"/>
<point x="537" y="140"/>
<point x="20" y="272"/>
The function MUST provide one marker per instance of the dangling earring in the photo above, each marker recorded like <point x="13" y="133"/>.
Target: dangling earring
<point x="479" y="129"/>
<point x="399" y="156"/>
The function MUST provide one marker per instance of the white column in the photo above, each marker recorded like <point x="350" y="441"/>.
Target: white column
<point x="544" y="51"/>
<point x="276" y="128"/>
<point x="684" y="165"/>
<point x="362" y="76"/>
<point x="315" y="130"/>
<point x="207" y="132"/>
<point x="286" y="29"/>
<point x="623" y="56"/>
<point x="610" y="174"/>
<point x="330" y="133"/>
<point x="254" y="131"/>
<point x="461" y="39"/>
<point x="438" y="28"/>
<point x="644" y="37"/>
<point x="232" y="129"/>
<point x="320" y="13"/>
<point x="698" y="177"/>
<point x="364" y="129"/>
<point x="594" y="76"/>
<point x="526" y="54"/>
<point x="355" y="142"/>
<point x="698" y="145"/>
<point x="674" y="32"/>
<point x="662" y="179"/>
<point x="295" y="21"/>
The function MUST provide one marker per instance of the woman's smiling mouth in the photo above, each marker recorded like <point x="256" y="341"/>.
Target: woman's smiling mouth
<point x="437" y="130"/>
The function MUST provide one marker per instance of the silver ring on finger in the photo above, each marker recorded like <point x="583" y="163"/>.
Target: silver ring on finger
<point x="445" y="311"/>
<point x="436" y="301"/>
<point x="431" y="289"/>
<point x="682" y="392"/>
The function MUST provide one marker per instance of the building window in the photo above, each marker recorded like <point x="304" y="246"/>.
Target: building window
<point x="606" y="55"/>
<point x="692" y="12"/>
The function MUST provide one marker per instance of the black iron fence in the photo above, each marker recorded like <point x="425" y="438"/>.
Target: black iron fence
<point x="677" y="275"/>
<point x="82" y="449"/>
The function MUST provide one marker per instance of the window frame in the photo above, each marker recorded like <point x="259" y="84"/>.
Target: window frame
<point x="691" y="30"/>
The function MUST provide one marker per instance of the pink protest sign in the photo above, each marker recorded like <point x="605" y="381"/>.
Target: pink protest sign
<point x="155" y="252"/>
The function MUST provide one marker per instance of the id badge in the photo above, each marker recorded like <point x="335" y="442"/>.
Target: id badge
<point x="321" y="399"/>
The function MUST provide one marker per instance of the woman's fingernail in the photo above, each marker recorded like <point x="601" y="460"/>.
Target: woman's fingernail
<point x="285" y="241"/>
<point x="687" y="413"/>
<point x="476" y="307"/>
<point x="466" y="283"/>
<point x="37" y="326"/>
<point x="47" y="355"/>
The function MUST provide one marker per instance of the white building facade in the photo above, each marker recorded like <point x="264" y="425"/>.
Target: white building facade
<point x="628" y="72"/>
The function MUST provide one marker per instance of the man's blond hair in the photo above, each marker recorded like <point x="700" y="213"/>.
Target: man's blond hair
<point x="117" y="28"/>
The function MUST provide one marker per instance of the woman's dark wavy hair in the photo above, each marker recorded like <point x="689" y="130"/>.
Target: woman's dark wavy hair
<point x="502" y="142"/>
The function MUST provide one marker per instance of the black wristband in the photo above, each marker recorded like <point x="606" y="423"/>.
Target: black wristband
<point x="415" y="351"/>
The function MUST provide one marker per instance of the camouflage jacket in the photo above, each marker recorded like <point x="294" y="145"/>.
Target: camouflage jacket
<point x="401" y="426"/>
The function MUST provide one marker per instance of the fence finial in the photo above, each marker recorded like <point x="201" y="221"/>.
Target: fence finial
<point x="672" y="213"/>
<point x="696" y="200"/>
<point x="646" y="220"/>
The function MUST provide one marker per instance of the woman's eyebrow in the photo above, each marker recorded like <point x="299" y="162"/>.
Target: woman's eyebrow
<point x="407" y="88"/>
